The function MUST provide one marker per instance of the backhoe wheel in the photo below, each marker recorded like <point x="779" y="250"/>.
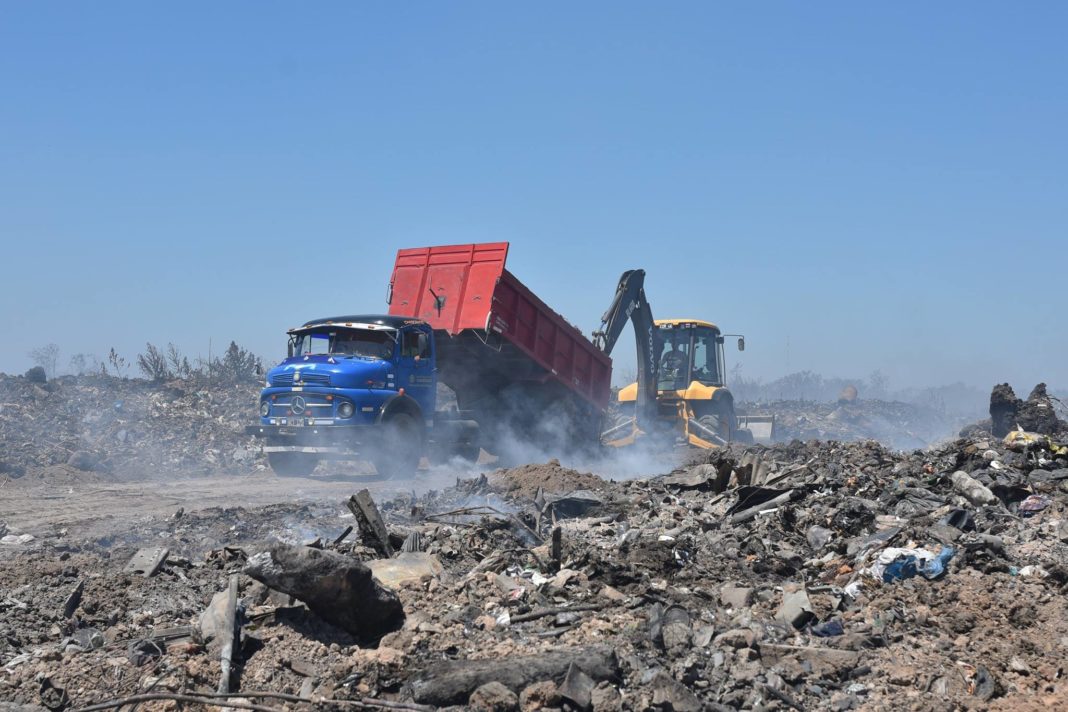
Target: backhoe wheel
<point x="712" y="423"/>
<point x="292" y="464"/>
<point x="400" y="447"/>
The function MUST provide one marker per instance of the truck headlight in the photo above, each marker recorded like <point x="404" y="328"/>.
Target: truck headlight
<point x="265" y="408"/>
<point x="345" y="410"/>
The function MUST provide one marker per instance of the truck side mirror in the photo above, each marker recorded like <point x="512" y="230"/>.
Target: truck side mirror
<point x="741" y="343"/>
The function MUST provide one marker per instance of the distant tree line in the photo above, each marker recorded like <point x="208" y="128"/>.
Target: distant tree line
<point x="236" y="364"/>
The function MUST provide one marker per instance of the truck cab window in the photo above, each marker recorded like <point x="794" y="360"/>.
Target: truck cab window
<point x="416" y="345"/>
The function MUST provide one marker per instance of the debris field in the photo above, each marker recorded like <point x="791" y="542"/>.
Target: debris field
<point x="805" y="575"/>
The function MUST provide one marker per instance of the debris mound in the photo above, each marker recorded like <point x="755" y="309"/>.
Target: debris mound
<point x="121" y="428"/>
<point x="1037" y="414"/>
<point x="893" y="423"/>
<point x="525" y="481"/>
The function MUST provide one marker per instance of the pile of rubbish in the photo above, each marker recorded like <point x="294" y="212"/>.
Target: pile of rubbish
<point x="802" y="576"/>
<point x="1040" y="413"/>
<point x="904" y="426"/>
<point x="107" y="427"/>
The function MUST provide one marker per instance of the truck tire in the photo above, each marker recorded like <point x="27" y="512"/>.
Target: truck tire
<point x="292" y="464"/>
<point x="400" y="447"/>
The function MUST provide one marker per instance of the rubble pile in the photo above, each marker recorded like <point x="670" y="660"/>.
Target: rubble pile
<point x="107" y="427"/>
<point x="899" y="425"/>
<point x="803" y="576"/>
<point x="1040" y="413"/>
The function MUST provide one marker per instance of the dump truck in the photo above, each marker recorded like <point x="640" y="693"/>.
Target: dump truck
<point x="681" y="390"/>
<point x="373" y="386"/>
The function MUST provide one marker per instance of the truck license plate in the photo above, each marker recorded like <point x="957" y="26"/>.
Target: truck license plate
<point x="295" y="422"/>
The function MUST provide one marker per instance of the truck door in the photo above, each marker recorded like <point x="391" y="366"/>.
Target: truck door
<point x="415" y="368"/>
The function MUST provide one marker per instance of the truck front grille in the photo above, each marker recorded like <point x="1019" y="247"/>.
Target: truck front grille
<point x="306" y="378"/>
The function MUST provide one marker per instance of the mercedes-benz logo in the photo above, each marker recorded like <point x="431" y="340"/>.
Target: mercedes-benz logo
<point x="297" y="405"/>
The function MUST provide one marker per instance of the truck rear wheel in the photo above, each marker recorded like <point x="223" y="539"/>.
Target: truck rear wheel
<point x="400" y="448"/>
<point x="292" y="464"/>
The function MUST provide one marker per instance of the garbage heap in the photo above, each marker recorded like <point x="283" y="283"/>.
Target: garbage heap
<point x="1037" y="414"/>
<point x="103" y="427"/>
<point x="803" y="576"/>
<point x="899" y="425"/>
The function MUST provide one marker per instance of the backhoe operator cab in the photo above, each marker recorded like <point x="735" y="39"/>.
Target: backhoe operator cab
<point x="690" y="382"/>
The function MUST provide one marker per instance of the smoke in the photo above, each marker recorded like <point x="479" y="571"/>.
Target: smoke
<point x="533" y="431"/>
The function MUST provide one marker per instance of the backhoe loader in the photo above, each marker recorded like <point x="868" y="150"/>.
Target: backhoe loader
<point x="681" y="390"/>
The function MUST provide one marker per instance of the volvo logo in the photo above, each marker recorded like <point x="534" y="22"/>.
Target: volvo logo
<point x="297" y="405"/>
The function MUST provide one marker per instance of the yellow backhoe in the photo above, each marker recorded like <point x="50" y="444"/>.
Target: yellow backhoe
<point x="681" y="389"/>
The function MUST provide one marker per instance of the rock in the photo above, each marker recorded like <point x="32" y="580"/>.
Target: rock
<point x="675" y="628"/>
<point x="338" y="589"/>
<point x="539" y="695"/>
<point x="493" y="697"/>
<point x="800" y="660"/>
<point x="1003" y="407"/>
<point x="451" y="682"/>
<point x="796" y="608"/>
<point x="1037" y="414"/>
<point x="971" y="489"/>
<point x="83" y="460"/>
<point x="577" y="688"/>
<point x="406" y="568"/>
<point x="736" y="596"/>
<point x="737" y="638"/>
<point x="214" y="617"/>
<point x="606" y="698"/>
<point x="818" y="537"/>
<point x="673" y="695"/>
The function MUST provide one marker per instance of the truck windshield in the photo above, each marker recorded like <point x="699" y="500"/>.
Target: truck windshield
<point x="690" y="354"/>
<point x="345" y="342"/>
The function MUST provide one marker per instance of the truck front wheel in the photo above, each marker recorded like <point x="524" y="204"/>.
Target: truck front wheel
<point x="400" y="447"/>
<point x="292" y="464"/>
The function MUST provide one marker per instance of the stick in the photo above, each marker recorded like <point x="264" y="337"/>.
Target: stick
<point x="226" y="655"/>
<point x="195" y="699"/>
<point x="207" y="698"/>
<point x="542" y="612"/>
<point x="747" y="514"/>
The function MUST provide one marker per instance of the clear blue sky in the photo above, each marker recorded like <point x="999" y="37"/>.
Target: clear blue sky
<point x="855" y="186"/>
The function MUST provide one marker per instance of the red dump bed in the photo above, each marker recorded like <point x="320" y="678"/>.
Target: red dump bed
<point x="460" y="288"/>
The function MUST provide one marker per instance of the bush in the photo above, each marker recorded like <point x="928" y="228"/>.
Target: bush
<point x="237" y="365"/>
<point x="154" y="364"/>
<point x="36" y="375"/>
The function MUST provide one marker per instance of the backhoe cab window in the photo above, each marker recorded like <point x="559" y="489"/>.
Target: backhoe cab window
<point x="346" y="342"/>
<point x="705" y="361"/>
<point x="689" y="354"/>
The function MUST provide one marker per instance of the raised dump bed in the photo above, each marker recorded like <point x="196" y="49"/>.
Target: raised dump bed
<point x="508" y="357"/>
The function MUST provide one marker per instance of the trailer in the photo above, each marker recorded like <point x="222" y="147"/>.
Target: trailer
<point x="511" y="360"/>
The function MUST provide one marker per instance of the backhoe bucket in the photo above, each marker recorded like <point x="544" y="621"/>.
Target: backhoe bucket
<point x="761" y="426"/>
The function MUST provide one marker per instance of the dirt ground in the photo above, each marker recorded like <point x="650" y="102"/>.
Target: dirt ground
<point x="57" y="511"/>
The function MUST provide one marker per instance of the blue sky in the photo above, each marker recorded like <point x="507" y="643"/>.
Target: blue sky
<point x="854" y="186"/>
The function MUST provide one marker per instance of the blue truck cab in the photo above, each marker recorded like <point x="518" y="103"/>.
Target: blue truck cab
<point x="353" y="387"/>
